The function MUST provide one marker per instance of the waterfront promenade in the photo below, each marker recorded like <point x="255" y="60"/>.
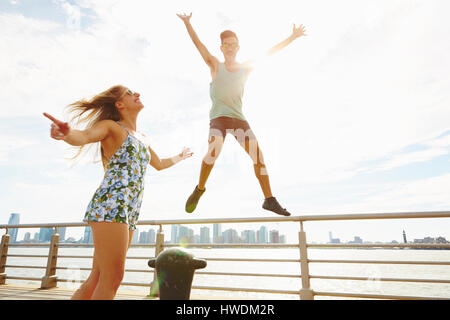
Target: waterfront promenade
<point x="431" y="284"/>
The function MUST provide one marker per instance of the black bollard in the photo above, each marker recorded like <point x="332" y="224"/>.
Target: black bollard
<point x="175" y="271"/>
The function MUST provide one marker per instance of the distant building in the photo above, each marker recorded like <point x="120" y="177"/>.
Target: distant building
<point x="174" y="234"/>
<point x="14" y="218"/>
<point x="27" y="237"/>
<point x="204" y="235"/>
<point x="185" y="235"/>
<point x="274" y="236"/>
<point x="333" y="240"/>
<point x="62" y="233"/>
<point x="425" y="240"/>
<point x="45" y="234"/>
<point x="441" y="240"/>
<point x="404" y="237"/>
<point x="135" y="238"/>
<point x="151" y="236"/>
<point x="147" y="237"/>
<point x="356" y="240"/>
<point x="217" y="233"/>
<point x="88" y="238"/>
<point x="248" y="236"/>
<point x="261" y="236"/>
<point x="231" y="236"/>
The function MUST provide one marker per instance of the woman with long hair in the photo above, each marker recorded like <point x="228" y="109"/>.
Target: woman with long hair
<point x="113" y="211"/>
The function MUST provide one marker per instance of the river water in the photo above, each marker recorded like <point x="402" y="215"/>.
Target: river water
<point x="370" y="272"/>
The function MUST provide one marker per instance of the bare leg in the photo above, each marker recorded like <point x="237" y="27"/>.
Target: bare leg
<point x="86" y="290"/>
<point x="251" y="146"/>
<point x="111" y="241"/>
<point x="214" y="149"/>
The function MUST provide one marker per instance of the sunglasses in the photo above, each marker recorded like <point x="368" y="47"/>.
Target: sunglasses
<point x="231" y="45"/>
<point x="130" y="92"/>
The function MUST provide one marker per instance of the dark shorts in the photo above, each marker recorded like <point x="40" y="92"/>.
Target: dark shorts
<point x="240" y="129"/>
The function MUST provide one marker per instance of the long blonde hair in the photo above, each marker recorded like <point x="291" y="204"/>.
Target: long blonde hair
<point x="100" y="107"/>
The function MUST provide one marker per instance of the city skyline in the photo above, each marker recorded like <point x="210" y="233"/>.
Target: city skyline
<point x="183" y="235"/>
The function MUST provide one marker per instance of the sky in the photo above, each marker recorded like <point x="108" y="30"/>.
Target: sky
<point x="352" y="118"/>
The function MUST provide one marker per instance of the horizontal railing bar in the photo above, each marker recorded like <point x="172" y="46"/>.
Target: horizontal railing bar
<point x="249" y="274"/>
<point x="70" y="280"/>
<point x="235" y="245"/>
<point x="385" y="245"/>
<point x="135" y="284"/>
<point x="88" y="269"/>
<point x="70" y="268"/>
<point x="90" y="257"/>
<point x="374" y="296"/>
<point x="316" y="217"/>
<point x="378" y="279"/>
<point x="30" y="245"/>
<point x="74" y="257"/>
<point x="22" y="278"/>
<point x="74" y="245"/>
<point x="443" y="263"/>
<point x="26" y="256"/>
<point x="150" y="245"/>
<point x="25" y="267"/>
<point x="139" y="270"/>
<point x="208" y="259"/>
<point x="245" y="290"/>
<point x="251" y="260"/>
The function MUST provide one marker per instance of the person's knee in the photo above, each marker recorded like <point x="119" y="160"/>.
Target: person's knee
<point x="260" y="169"/>
<point x="114" y="276"/>
<point x="214" y="149"/>
<point x="116" y="279"/>
<point x="209" y="159"/>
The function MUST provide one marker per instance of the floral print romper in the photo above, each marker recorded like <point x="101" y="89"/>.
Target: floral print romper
<point x="119" y="197"/>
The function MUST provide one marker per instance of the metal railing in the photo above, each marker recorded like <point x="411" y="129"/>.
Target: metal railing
<point x="304" y="292"/>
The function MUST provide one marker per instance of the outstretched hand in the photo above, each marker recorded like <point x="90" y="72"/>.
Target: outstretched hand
<point x="186" y="153"/>
<point x="298" y="32"/>
<point x="185" y="17"/>
<point x="59" y="129"/>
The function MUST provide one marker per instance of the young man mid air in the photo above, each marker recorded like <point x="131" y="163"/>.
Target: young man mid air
<point x="226" y="91"/>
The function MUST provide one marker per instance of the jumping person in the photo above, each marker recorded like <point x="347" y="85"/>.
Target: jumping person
<point x="113" y="211"/>
<point x="226" y="91"/>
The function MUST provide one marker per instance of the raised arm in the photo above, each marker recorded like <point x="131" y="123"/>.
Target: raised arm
<point x="61" y="131"/>
<point x="210" y="60"/>
<point x="161" y="164"/>
<point x="296" y="33"/>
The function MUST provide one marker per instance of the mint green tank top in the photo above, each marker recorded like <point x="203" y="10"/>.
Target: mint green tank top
<point x="226" y="91"/>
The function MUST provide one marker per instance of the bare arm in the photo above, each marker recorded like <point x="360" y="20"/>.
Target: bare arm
<point x="296" y="33"/>
<point x="161" y="164"/>
<point x="61" y="131"/>
<point x="210" y="60"/>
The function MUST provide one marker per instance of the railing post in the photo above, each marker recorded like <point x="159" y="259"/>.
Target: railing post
<point x="159" y="247"/>
<point x="3" y="256"/>
<point x="305" y="292"/>
<point x="50" y="278"/>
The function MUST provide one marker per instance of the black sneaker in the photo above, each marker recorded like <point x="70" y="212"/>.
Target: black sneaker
<point x="272" y="204"/>
<point x="192" y="201"/>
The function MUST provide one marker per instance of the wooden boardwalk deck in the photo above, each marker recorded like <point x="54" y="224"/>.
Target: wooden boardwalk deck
<point x="29" y="292"/>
